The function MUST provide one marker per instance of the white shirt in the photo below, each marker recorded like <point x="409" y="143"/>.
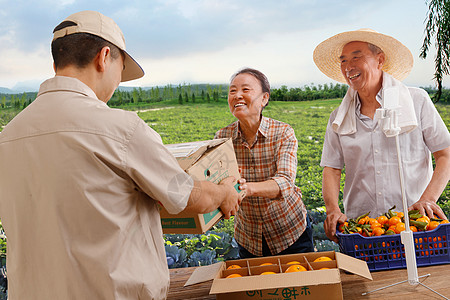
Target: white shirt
<point x="78" y="192"/>
<point x="370" y="158"/>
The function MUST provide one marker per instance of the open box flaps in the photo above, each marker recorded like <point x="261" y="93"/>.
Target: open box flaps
<point x="188" y="153"/>
<point x="205" y="273"/>
<point x="343" y="262"/>
<point x="353" y="265"/>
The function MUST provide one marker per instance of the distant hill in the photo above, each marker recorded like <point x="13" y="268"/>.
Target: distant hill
<point x="4" y="90"/>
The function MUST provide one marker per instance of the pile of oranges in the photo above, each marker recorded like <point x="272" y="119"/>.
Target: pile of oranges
<point x="295" y="266"/>
<point x="392" y="222"/>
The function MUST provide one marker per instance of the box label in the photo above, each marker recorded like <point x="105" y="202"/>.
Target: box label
<point x="178" y="222"/>
<point x="280" y="293"/>
<point x="209" y="216"/>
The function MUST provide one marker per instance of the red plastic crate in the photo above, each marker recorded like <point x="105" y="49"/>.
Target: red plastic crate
<point x="387" y="251"/>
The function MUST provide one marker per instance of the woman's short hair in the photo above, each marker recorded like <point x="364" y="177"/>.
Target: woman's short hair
<point x="258" y="75"/>
<point x="79" y="49"/>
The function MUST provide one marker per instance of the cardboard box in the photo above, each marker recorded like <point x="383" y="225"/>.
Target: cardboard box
<point x="211" y="160"/>
<point x="315" y="283"/>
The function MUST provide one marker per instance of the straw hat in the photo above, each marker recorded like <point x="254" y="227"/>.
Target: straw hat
<point x="97" y="24"/>
<point x="399" y="60"/>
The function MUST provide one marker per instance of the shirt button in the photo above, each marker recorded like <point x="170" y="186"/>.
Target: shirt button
<point x="378" y="172"/>
<point x="379" y="193"/>
<point x="376" y="150"/>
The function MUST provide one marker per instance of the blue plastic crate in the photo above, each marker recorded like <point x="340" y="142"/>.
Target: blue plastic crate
<point x="387" y="251"/>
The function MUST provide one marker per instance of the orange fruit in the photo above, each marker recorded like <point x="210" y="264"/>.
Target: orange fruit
<point x="295" y="268"/>
<point x="341" y="227"/>
<point x="433" y="225"/>
<point x="233" y="276"/>
<point x="444" y="221"/>
<point x="322" y="258"/>
<point x="394" y="220"/>
<point x="267" y="273"/>
<point x="364" y="220"/>
<point x="372" y="220"/>
<point x="382" y="219"/>
<point x="266" y="264"/>
<point x="293" y="263"/>
<point x="234" y="267"/>
<point x="375" y="225"/>
<point x="324" y="268"/>
<point x="400" y="214"/>
<point x="400" y="227"/>
<point x="413" y="228"/>
<point x="423" y="219"/>
<point x="377" y="231"/>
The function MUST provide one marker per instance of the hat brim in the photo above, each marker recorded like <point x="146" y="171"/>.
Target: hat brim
<point x="132" y="70"/>
<point x="399" y="60"/>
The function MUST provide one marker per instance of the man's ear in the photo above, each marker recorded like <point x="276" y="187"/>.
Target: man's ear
<point x="102" y="58"/>
<point x="381" y="60"/>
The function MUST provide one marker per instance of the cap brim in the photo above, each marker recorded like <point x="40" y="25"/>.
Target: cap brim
<point x="132" y="70"/>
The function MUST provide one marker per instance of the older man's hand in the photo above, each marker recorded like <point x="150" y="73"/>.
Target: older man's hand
<point x="428" y="207"/>
<point x="333" y="218"/>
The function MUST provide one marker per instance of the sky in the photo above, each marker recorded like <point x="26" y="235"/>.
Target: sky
<point x="206" y="41"/>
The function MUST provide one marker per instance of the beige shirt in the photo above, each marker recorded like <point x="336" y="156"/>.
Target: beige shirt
<point x="78" y="188"/>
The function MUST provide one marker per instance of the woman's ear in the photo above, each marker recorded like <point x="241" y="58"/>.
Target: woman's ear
<point x="265" y="99"/>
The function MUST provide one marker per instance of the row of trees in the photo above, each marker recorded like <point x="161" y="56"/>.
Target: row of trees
<point x="184" y="93"/>
<point x="17" y="101"/>
<point x="205" y="93"/>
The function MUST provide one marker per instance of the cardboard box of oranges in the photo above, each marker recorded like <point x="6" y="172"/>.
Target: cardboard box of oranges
<point x="314" y="275"/>
<point x="211" y="160"/>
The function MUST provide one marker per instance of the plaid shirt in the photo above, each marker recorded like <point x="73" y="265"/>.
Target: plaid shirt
<point x="272" y="156"/>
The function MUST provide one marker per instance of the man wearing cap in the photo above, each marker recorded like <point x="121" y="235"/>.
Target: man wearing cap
<point x="80" y="181"/>
<point x="373" y="65"/>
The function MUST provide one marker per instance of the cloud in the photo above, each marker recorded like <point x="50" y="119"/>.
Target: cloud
<point x="180" y="41"/>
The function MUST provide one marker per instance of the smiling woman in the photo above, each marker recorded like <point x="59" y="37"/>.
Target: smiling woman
<point x="266" y="152"/>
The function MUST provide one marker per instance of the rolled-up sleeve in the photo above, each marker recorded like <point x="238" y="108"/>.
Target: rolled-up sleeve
<point x="332" y="155"/>
<point x="155" y="171"/>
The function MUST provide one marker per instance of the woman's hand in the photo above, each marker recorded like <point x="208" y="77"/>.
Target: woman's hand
<point x="243" y="186"/>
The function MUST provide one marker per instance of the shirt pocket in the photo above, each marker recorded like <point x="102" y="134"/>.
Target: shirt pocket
<point x="412" y="146"/>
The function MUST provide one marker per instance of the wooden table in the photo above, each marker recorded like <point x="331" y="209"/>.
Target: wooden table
<point x="353" y="286"/>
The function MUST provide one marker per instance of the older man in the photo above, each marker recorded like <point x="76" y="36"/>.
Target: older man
<point x="371" y="63"/>
<point x="80" y="181"/>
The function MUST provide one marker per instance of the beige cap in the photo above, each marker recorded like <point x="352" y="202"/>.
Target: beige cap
<point x="97" y="24"/>
<point x="399" y="60"/>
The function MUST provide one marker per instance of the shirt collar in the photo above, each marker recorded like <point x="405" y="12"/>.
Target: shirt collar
<point x="378" y="97"/>
<point x="70" y="84"/>
<point x="262" y="130"/>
